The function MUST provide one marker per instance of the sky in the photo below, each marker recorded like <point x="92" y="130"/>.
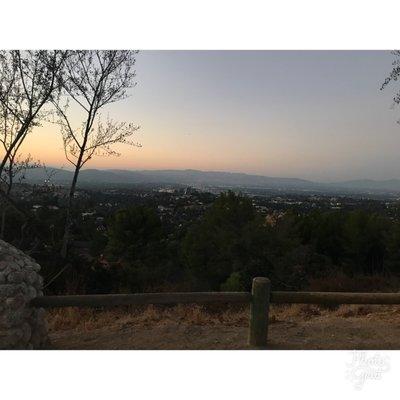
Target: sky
<point x="316" y="115"/>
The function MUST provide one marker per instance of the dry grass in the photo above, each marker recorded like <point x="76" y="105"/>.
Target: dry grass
<point x="307" y="311"/>
<point x="90" y="319"/>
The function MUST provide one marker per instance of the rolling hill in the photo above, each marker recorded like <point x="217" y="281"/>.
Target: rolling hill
<point x="192" y="177"/>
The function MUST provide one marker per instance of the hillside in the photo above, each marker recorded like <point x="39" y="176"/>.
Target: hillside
<point x="191" y="177"/>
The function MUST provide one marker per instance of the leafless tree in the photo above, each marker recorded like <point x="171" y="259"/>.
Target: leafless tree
<point x="29" y="80"/>
<point x="16" y="164"/>
<point x="94" y="79"/>
<point x="15" y="167"/>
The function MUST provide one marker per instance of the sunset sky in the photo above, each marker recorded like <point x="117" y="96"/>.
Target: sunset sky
<point x="317" y="115"/>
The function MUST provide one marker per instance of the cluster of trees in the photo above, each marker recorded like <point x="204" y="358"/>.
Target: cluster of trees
<point x="233" y="243"/>
<point x="227" y="247"/>
<point x="69" y="89"/>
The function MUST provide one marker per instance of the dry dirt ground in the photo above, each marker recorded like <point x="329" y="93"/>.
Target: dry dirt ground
<point x="193" y="327"/>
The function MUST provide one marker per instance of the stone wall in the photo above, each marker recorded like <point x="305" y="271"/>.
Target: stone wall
<point x="21" y="326"/>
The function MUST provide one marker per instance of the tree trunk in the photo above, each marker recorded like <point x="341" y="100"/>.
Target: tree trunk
<point x="16" y="142"/>
<point x="78" y="166"/>
<point x="68" y="219"/>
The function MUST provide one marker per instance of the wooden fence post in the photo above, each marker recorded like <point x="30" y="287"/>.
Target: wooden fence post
<point x="259" y="311"/>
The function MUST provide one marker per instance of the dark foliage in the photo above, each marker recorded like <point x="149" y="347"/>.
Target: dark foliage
<point x="134" y="249"/>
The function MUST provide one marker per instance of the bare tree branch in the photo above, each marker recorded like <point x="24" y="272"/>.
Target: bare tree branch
<point x="94" y="79"/>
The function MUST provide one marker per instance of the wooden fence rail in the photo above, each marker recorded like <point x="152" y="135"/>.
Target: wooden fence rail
<point x="110" y="300"/>
<point x="259" y="299"/>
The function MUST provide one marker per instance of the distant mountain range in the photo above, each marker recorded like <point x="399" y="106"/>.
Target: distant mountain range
<point x="197" y="178"/>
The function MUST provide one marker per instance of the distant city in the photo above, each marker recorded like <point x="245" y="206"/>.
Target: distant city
<point x="179" y="205"/>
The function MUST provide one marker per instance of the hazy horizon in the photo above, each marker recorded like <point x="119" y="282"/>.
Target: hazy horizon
<point x="70" y="169"/>
<point x="316" y="115"/>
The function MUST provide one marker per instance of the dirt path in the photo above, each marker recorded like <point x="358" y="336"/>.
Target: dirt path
<point x="317" y="332"/>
